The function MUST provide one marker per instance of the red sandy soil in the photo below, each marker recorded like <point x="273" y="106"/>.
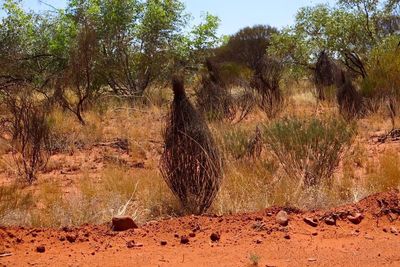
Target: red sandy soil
<point x="373" y="242"/>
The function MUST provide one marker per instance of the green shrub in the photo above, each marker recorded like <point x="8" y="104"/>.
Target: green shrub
<point x="383" y="79"/>
<point x="308" y="150"/>
<point x="235" y="142"/>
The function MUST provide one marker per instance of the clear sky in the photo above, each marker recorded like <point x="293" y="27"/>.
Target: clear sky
<point x="234" y="14"/>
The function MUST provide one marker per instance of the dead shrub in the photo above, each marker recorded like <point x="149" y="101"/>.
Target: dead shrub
<point x="30" y="131"/>
<point x="245" y="103"/>
<point x="213" y="96"/>
<point x="326" y="75"/>
<point x="266" y="79"/>
<point x="190" y="163"/>
<point x="349" y="100"/>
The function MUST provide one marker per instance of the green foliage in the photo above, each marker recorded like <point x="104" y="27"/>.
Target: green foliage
<point x="235" y="142"/>
<point x="309" y="150"/>
<point x="72" y="56"/>
<point x="383" y="68"/>
<point x="348" y="31"/>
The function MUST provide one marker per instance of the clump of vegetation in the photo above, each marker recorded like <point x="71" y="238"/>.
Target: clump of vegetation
<point x="14" y="202"/>
<point x="213" y="96"/>
<point x="267" y="76"/>
<point x="383" y="82"/>
<point x="349" y="100"/>
<point x="254" y="259"/>
<point x="308" y="150"/>
<point x="234" y="142"/>
<point x="387" y="175"/>
<point x="190" y="163"/>
<point x="326" y="75"/>
<point x="30" y="131"/>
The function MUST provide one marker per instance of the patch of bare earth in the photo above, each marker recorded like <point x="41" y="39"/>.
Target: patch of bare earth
<point x="362" y="234"/>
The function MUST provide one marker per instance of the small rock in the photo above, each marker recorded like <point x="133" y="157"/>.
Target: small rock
<point x="356" y="218"/>
<point x="311" y="222"/>
<point x="163" y="243"/>
<point x="123" y="223"/>
<point x="215" y="237"/>
<point x="394" y="230"/>
<point x="66" y="229"/>
<point x="132" y="244"/>
<point x="61" y="238"/>
<point x="40" y="249"/>
<point x="385" y="230"/>
<point x="314" y="233"/>
<point x="287" y="236"/>
<point x="312" y="259"/>
<point x="282" y="218"/>
<point x="258" y="241"/>
<point x="369" y="237"/>
<point x="192" y="235"/>
<point x="71" y="238"/>
<point x="176" y="235"/>
<point x="330" y="221"/>
<point x="184" y="240"/>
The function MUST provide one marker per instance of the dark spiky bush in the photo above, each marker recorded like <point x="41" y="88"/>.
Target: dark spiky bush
<point x="213" y="96"/>
<point x="308" y="150"/>
<point x="190" y="163"/>
<point x="267" y="77"/>
<point x="349" y="100"/>
<point x="325" y="75"/>
<point x="245" y="103"/>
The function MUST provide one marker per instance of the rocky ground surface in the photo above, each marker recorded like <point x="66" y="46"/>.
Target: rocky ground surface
<point x="362" y="234"/>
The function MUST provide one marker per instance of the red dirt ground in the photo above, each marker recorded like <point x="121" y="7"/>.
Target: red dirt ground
<point x="373" y="242"/>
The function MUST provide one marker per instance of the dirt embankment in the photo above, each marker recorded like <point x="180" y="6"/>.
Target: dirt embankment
<point x="363" y="234"/>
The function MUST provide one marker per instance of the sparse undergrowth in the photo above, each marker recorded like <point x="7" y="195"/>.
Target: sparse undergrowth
<point x="250" y="184"/>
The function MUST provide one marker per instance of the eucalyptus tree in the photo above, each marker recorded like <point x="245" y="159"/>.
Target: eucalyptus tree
<point x="347" y="31"/>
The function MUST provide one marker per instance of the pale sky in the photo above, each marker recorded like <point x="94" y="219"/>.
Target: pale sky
<point x="234" y="14"/>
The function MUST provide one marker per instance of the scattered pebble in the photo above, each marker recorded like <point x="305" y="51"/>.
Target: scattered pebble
<point x="163" y="243"/>
<point x="132" y="244"/>
<point x="71" y="238"/>
<point x="356" y="218"/>
<point x="282" y="218"/>
<point x="184" y="240"/>
<point x="394" y="230"/>
<point x="123" y="223"/>
<point x="40" y="249"/>
<point x="215" y="237"/>
<point x="311" y="221"/>
<point x="330" y="221"/>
